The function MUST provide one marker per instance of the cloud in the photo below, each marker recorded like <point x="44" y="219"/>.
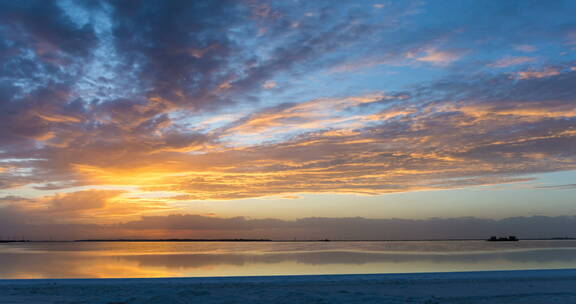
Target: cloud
<point x="525" y="48"/>
<point x="174" y="61"/>
<point x="547" y="72"/>
<point x="370" y="144"/>
<point x="269" y="85"/>
<point x="511" y="61"/>
<point x="558" y="187"/>
<point x="516" y="130"/>
<point x="290" y="196"/>
<point x="12" y="198"/>
<point x="314" y="228"/>
<point x="85" y="205"/>
<point x="182" y="97"/>
<point x="198" y="222"/>
<point x="187" y="63"/>
<point x="313" y="114"/>
<point x="81" y="201"/>
<point x="438" y="57"/>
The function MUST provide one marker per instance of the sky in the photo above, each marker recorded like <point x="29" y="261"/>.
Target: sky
<point x="287" y="119"/>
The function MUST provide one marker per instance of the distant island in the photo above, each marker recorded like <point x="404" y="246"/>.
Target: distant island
<point x="511" y="238"/>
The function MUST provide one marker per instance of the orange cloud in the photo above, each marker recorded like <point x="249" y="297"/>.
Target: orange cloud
<point x="269" y="85"/>
<point x="81" y="200"/>
<point x="435" y="56"/>
<point x="58" y="118"/>
<point x="87" y="206"/>
<point x="389" y="145"/>
<point x="533" y="112"/>
<point x="314" y="114"/>
<point x="530" y="74"/>
<point x="368" y="144"/>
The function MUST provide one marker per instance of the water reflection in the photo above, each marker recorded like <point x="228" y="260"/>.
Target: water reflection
<point x="99" y="260"/>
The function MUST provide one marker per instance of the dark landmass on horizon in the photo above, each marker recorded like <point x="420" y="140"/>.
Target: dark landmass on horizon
<point x="280" y="240"/>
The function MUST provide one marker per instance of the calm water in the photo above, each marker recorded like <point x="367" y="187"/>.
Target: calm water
<point x="164" y="259"/>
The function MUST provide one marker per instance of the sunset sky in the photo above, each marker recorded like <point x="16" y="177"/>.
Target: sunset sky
<point x="283" y="119"/>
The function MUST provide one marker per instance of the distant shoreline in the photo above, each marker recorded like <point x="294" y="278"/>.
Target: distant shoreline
<point x="267" y="240"/>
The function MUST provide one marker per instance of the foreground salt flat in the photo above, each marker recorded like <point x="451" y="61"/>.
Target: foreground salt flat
<point x="530" y="286"/>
